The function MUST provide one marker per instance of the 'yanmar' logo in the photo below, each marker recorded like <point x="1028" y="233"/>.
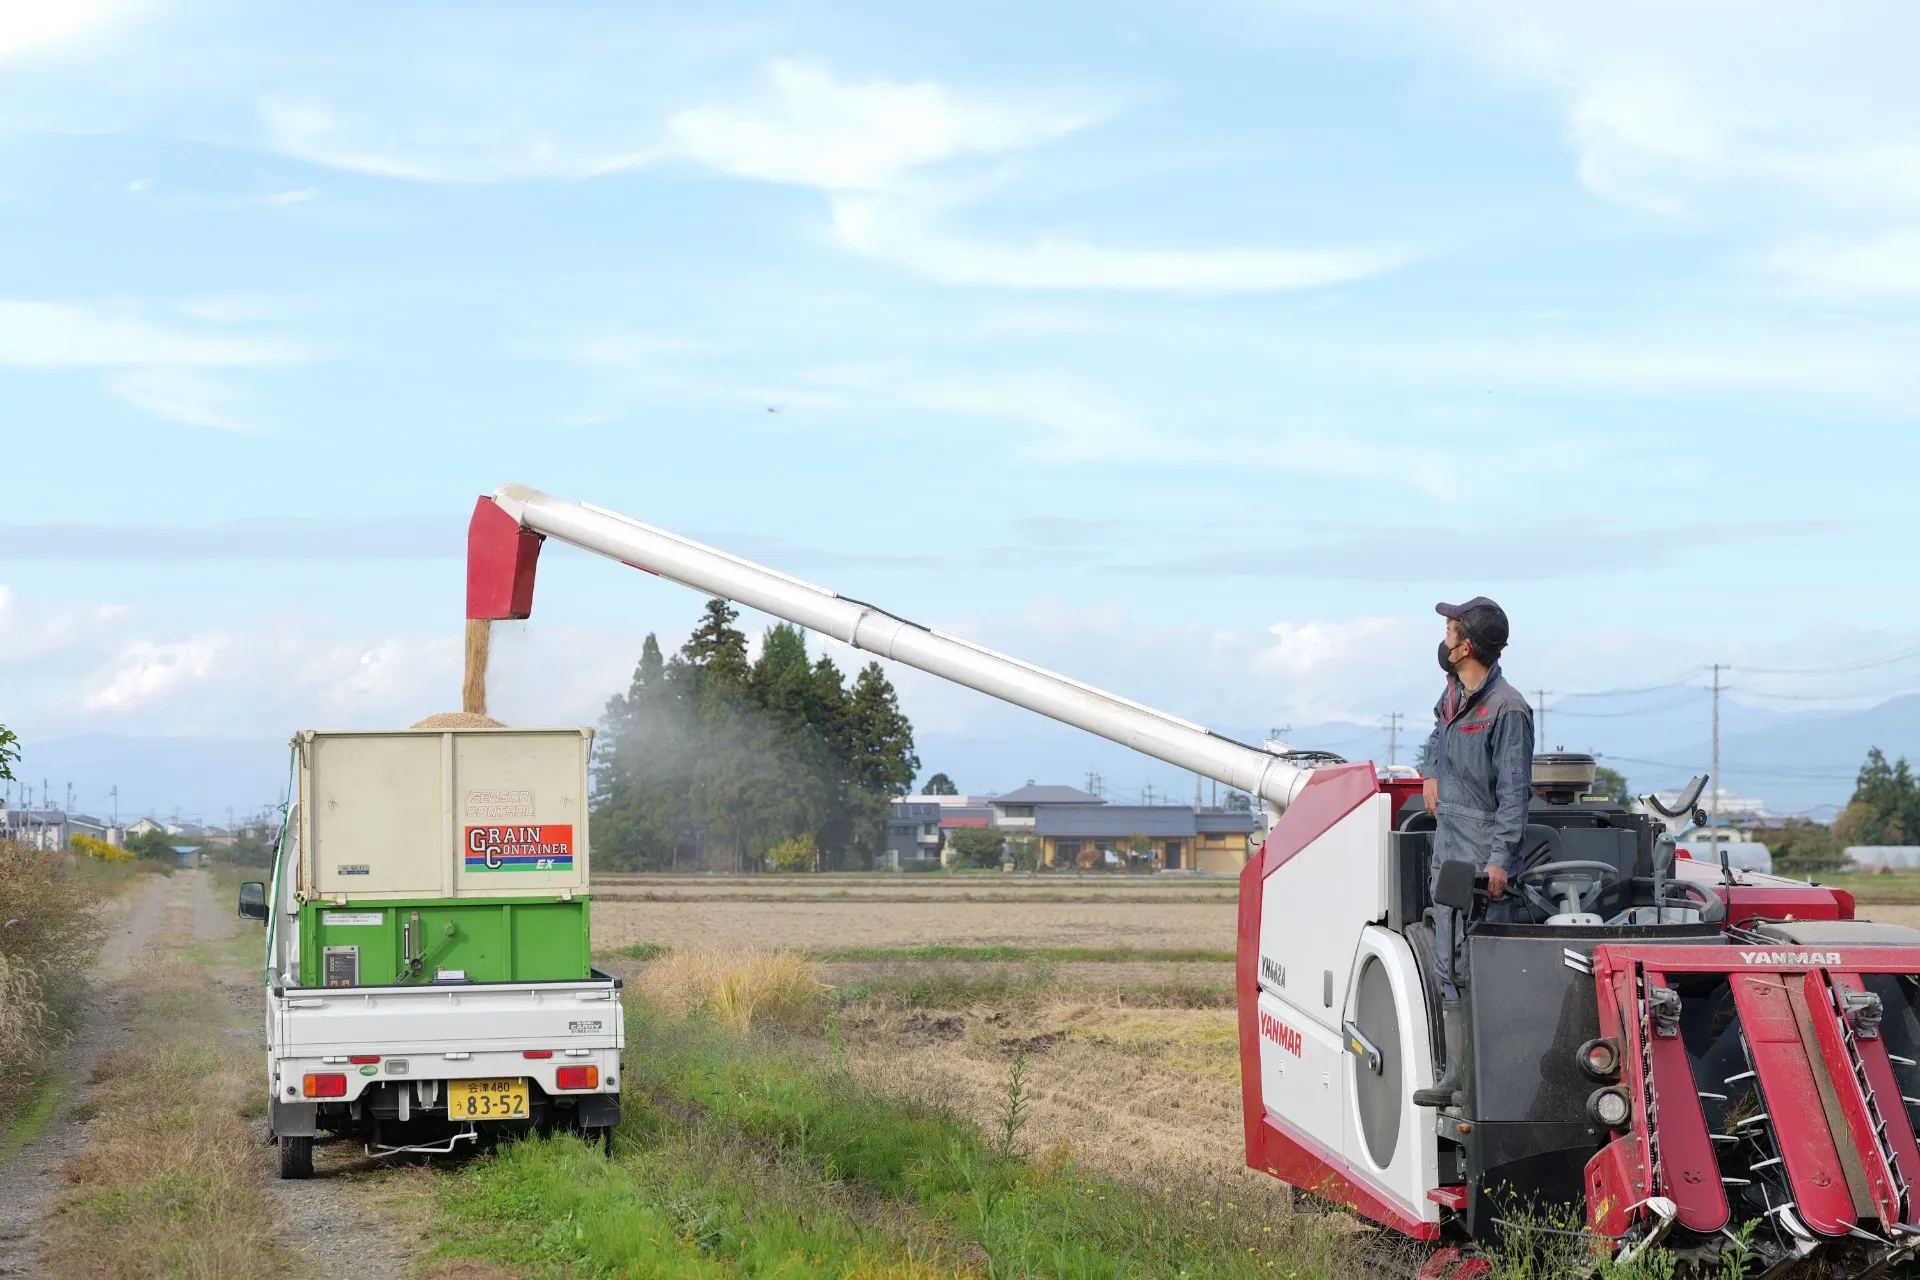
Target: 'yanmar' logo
<point x="1273" y="971"/>
<point x="1790" y="957"/>
<point x="1280" y="1033"/>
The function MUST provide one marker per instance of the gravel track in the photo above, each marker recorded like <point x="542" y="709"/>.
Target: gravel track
<point x="356" y="1218"/>
<point x="30" y="1180"/>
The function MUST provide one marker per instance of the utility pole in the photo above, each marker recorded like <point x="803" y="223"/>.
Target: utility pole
<point x="116" y="803"/>
<point x="1713" y="810"/>
<point x="1393" y="737"/>
<point x="1540" y="711"/>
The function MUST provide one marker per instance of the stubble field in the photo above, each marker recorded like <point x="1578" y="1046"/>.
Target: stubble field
<point x="1115" y="992"/>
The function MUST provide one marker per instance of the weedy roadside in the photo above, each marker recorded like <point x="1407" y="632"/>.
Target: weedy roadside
<point x="761" y="1154"/>
<point x="166" y="1184"/>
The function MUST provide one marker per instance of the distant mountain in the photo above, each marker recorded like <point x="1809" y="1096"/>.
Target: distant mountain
<point x="1795" y="761"/>
<point x="1805" y="762"/>
<point x="198" y="778"/>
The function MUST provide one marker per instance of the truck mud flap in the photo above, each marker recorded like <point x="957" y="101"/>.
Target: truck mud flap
<point x="293" y="1119"/>
<point x="599" y="1110"/>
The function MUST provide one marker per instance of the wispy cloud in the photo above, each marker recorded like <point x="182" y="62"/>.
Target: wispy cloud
<point x="865" y="143"/>
<point x="46" y="334"/>
<point x="260" y="538"/>
<point x="1888" y="263"/>
<point x="26" y="23"/>
<point x="813" y="129"/>
<point x="187" y="396"/>
<point x="895" y="231"/>
<point x="145" y="671"/>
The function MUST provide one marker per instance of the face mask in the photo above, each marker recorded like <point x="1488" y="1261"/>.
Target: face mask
<point x="1446" y="663"/>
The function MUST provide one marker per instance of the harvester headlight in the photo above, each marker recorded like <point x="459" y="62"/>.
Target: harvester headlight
<point x="1609" y="1107"/>
<point x="1599" y="1059"/>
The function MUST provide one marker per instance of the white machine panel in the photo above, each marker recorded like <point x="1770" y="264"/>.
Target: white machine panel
<point x="1413" y="1167"/>
<point x="1300" y="1073"/>
<point x="1314" y="906"/>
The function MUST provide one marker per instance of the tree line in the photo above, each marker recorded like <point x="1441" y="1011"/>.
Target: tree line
<point x="1884" y="809"/>
<point x="712" y="761"/>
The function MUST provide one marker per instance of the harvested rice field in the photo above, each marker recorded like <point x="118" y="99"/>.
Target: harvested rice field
<point x="812" y="913"/>
<point x="1117" y="996"/>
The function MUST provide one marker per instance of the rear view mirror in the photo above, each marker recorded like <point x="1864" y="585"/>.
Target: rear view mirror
<point x="1454" y="887"/>
<point x="253" y="900"/>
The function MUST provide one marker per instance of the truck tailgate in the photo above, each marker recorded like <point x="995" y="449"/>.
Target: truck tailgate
<point x="546" y="1015"/>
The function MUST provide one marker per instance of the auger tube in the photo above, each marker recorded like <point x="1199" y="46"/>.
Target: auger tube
<point x="1182" y="743"/>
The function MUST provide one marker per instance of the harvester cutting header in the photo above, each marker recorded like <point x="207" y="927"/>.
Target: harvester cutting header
<point x="1678" y="1048"/>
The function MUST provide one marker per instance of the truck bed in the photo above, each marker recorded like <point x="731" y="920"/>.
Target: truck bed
<point x="438" y="1032"/>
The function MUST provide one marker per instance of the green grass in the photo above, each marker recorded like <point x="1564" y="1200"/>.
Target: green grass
<point x="1024" y="955"/>
<point x="953" y="988"/>
<point x="29" y="1118"/>
<point x="1868" y="887"/>
<point x="742" y="1157"/>
<point x="635" y="951"/>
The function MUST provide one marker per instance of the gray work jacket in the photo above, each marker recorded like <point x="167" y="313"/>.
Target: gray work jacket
<point x="1481" y="750"/>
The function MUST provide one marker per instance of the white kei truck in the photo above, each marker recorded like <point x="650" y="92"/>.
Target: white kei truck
<point x="428" y="972"/>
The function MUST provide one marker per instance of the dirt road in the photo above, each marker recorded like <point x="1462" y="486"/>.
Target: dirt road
<point x="354" y="1218"/>
<point x="30" y="1179"/>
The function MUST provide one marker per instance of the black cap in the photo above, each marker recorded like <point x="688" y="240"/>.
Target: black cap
<point x="1480" y="618"/>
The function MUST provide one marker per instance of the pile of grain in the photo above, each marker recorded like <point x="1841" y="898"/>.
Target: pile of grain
<point x="457" y="720"/>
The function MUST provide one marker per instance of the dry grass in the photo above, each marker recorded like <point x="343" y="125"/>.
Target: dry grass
<point x="1148" y="1098"/>
<point x="741" y="989"/>
<point x="50" y="930"/>
<point x="165" y="1185"/>
<point x="22" y="1012"/>
<point x="1162" y="921"/>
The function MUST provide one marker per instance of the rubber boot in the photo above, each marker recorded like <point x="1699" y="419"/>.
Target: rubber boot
<point x="1445" y="1092"/>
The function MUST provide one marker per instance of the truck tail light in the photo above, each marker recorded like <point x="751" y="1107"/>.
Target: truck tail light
<point x="537" y="1053"/>
<point x="577" y="1078"/>
<point x="362" y="1059"/>
<point x="331" y="1084"/>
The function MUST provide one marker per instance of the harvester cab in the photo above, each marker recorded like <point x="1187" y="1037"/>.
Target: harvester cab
<point x="1675" y="1052"/>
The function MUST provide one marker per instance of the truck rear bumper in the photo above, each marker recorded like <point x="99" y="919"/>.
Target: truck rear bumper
<point x="335" y="1078"/>
<point x="330" y="1045"/>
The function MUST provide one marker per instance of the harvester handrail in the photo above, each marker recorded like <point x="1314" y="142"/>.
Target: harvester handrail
<point x="1179" y="742"/>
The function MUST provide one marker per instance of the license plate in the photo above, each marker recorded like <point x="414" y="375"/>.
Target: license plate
<point x="487" y="1099"/>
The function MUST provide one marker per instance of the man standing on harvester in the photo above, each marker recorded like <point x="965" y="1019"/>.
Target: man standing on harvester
<point x="1479" y="778"/>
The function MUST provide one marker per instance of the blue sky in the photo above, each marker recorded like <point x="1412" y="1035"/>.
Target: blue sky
<point x="1194" y="350"/>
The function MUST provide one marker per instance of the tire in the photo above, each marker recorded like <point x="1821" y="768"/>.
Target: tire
<point x="600" y="1136"/>
<point x="296" y="1158"/>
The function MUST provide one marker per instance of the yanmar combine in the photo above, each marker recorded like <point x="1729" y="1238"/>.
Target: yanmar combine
<point x="1679" y="1049"/>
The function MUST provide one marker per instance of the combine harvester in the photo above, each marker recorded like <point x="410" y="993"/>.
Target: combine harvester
<point x="1678" y="1049"/>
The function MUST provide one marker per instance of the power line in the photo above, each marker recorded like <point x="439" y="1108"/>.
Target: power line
<point x="1882" y="695"/>
<point x="1827" y="671"/>
<point x="1621" y="693"/>
<point x="1634" y="711"/>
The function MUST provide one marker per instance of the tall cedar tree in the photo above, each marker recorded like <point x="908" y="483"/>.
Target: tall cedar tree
<point x="709" y="760"/>
<point x="1886" y="804"/>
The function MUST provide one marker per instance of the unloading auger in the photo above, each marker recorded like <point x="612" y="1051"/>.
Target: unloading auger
<point x="1678" y="1049"/>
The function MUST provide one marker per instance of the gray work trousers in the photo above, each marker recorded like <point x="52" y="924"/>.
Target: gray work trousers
<point x="1450" y="935"/>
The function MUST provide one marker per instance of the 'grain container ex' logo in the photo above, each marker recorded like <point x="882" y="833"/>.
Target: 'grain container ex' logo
<point x="548" y="847"/>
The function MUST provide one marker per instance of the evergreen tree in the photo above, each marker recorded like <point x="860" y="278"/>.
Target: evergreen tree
<point x="883" y="760"/>
<point x="709" y="759"/>
<point x="941" y="785"/>
<point x="1885" y="808"/>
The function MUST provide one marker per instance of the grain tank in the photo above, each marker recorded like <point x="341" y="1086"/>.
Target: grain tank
<point x="424" y="855"/>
